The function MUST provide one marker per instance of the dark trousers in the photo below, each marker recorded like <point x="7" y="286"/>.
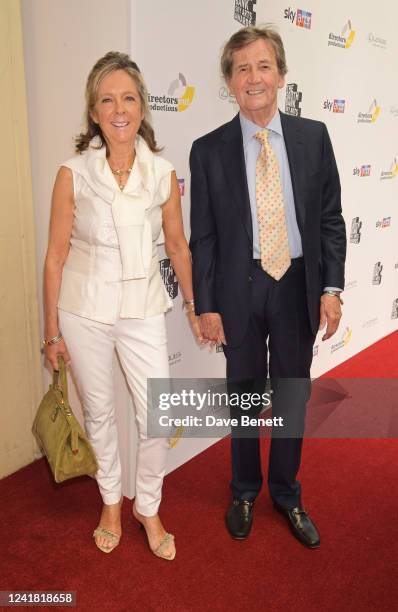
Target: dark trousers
<point x="279" y="317"/>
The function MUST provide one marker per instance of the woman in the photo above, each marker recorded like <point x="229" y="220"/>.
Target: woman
<point x="103" y="289"/>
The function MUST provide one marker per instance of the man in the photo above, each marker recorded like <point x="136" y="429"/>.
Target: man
<point x="268" y="246"/>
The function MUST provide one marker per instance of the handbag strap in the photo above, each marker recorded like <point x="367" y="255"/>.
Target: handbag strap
<point x="59" y="377"/>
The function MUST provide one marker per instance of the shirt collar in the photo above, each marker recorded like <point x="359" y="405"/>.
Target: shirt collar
<point x="249" y="129"/>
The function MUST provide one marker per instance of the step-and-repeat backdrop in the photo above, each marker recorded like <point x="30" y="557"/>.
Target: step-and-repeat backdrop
<point x="341" y="59"/>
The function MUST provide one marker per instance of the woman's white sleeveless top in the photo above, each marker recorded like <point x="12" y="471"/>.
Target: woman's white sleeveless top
<point x="112" y="269"/>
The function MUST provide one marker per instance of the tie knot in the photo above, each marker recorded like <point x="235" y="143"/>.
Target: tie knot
<point x="262" y="136"/>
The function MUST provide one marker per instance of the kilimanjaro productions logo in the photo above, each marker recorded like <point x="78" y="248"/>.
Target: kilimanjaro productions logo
<point x="293" y="99"/>
<point x="386" y="222"/>
<point x="169" y="277"/>
<point x="355" y="234"/>
<point x="303" y="18"/>
<point x="376" y="41"/>
<point x="345" y="338"/>
<point x="245" y="12"/>
<point x="224" y="94"/>
<point x="377" y="271"/>
<point x="372" y="114"/>
<point x="343" y="40"/>
<point x="362" y="171"/>
<point x="394" y="312"/>
<point x="181" y="186"/>
<point x="337" y="106"/>
<point x="392" y="172"/>
<point x="179" y="97"/>
<point x="315" y="350"/>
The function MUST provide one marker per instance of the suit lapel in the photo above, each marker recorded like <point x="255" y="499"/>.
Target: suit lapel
<point x="294" y="142"/>
<point x="233" y="160"/>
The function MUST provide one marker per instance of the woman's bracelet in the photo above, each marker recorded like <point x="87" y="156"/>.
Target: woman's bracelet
<point x="188" y="306"/>
<point x="54" y="340"/>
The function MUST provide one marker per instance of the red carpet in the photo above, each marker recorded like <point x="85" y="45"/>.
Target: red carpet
<point x="350" y="488"/>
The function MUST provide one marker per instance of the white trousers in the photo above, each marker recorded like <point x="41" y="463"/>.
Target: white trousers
<point x="142" y="350"/>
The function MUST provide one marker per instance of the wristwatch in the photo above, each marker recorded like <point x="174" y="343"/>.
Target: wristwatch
<point x="333" y="293"/>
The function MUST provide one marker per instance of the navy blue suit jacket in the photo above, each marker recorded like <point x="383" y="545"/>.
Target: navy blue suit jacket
<point x="221" y="226"/>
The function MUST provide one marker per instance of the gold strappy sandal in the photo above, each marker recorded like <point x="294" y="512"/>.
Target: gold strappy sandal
<point x="114" y="537"/>
<point x="163" y="543"/>
<point x="159" y="551"/>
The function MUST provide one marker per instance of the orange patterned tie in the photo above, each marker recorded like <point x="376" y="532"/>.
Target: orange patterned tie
<point x="274" y="245"/>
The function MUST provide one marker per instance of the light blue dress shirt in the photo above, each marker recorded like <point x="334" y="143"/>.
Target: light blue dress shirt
<point x="252" y="148"/>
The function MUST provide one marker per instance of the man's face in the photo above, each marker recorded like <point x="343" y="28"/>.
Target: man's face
<point x="255" y="80"/>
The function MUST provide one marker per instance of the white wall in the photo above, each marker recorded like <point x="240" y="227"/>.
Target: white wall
<point x="20" y="382"/>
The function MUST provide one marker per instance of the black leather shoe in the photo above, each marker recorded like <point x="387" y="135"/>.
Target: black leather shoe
<point x="239" y="519"/>
<point x="300" y="525"/>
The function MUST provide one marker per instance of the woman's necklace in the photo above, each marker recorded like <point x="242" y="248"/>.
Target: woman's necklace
<point x="119" y="173"/>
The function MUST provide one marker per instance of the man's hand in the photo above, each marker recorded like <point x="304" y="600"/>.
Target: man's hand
<point x="212" y="327"/>
<point x="330" y="315"/>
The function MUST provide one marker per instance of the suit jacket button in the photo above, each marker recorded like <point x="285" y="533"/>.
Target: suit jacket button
<point x="250" y="278"/>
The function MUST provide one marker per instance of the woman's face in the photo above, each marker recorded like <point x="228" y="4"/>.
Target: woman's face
<point x="117" y="109"/>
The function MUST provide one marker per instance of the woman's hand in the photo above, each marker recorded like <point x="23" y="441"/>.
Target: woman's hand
<point x="51" y="352"/>
<point x="194" y="322"/>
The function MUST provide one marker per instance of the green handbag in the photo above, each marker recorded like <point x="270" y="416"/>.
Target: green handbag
<point x="59" y="433"/>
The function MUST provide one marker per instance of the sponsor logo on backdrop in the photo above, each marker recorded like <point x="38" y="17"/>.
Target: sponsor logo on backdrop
<point x="362" y="171"/>
<point x="178" y="98"/>
<point x="336" y="105"/>
<point x="394" y="111"/>
<point x="343" y="40"/>
<point x="224" y="94"/>
<point x="345" y="339"/>
<point x="351" y="285"/>
<point x="181" y="186"/>
<point x="293" y="99"/>
<point x="303" y="18"/>
<point x="315" y="350"/>
<point x="376" y="41"/>
<point x="396" y="266"/>
<point x="372" y="114"/>
<point x="369" y="323"/>
<point x="169" y="277"/>
<point x="355" y="234"/>
<point x="382" y="223"/>
<point x="245" y="12"/>
<point x="175" y="358"/>
<point x="377" y="273"/>
<point x="391" y="172"/>
<point x="394" y="312"/>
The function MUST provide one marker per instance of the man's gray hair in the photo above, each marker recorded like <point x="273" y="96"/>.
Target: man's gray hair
<point x="246" y="36"/>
